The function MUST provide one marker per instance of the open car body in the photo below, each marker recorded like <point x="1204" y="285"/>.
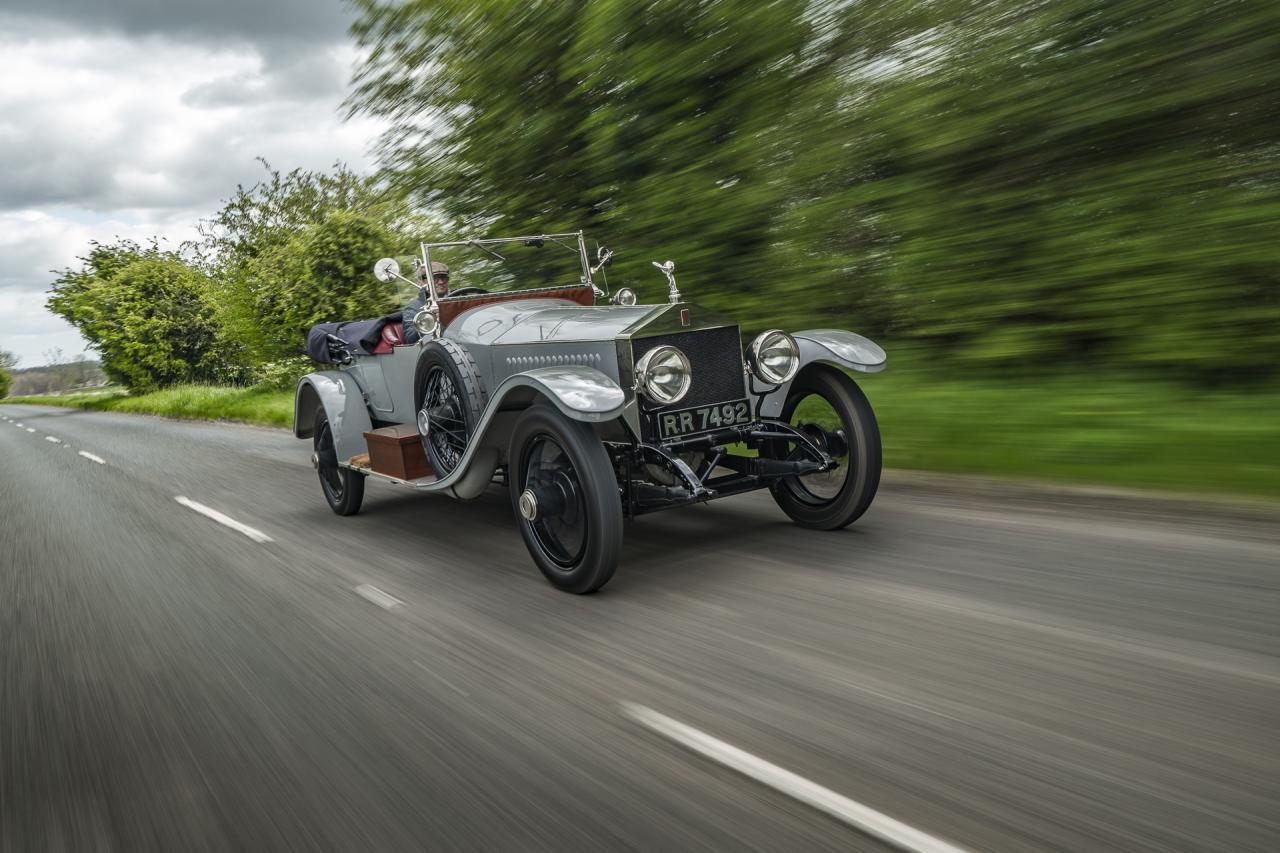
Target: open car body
<point x="569" y="348"/>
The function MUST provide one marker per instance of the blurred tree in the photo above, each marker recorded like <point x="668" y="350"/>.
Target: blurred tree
<point x="146" y="311"/>
<point x="323" y="272"/>
<point x="1073" y="182"/>
<point x="8" y="361"/>
<point x="1020" y="185"/>
<point x="656" y="127"/>
<point x="263" y="286"/>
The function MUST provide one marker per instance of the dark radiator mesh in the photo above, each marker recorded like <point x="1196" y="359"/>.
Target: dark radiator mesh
<point x="715" y="356"/>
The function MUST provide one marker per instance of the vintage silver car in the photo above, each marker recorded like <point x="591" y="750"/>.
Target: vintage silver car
<point x="592" y="409"/>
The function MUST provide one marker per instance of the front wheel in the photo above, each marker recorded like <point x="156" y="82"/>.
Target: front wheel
<point x="828" y="406"/>
<point x="565" y="497"/>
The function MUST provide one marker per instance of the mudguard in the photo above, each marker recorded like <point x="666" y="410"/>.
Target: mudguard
<point x="344" y="405"/>
<point x="580" y="392"/>
<point x="832" y="346"/>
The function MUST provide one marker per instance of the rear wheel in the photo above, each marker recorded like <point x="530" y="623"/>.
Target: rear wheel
<point x="343" y="488"/>
<point x="565" y="497"/>
<point x="829" y="408"/>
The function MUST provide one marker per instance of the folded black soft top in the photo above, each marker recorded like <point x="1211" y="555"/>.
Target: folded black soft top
<point x="358" y="337"/>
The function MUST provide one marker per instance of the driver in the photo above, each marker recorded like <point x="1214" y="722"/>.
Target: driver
<point x="440" y="274"/>
<point x="440" y="277"/>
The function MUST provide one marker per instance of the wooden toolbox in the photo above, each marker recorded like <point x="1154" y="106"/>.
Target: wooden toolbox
<point x="397" y="451"/>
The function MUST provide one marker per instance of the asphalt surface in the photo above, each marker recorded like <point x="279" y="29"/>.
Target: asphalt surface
<point x="1000" y="672"/>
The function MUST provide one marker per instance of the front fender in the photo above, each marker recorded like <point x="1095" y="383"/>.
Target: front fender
<point x="582" y="393"/>
<point x="832" y="346"/>
<point x="344" y="405"/>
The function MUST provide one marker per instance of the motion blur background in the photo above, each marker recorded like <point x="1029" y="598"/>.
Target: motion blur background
<point x="1060" y="218"/>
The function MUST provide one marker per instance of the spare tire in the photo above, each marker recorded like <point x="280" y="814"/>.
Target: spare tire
<point x="448" y="397"/>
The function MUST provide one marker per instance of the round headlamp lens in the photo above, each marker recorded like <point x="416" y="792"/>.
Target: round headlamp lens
<point x="624" y="296"/>
<point x="774" y="357"/>
<point x="664" y="375"/>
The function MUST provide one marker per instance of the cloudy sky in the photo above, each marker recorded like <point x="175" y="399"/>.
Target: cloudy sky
<point x="135" y="118"/>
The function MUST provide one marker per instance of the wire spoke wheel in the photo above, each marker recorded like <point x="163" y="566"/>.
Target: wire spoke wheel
<point x="447" y="435"/>
<point x="450" y="397"/>
<point x="561" y="526"/>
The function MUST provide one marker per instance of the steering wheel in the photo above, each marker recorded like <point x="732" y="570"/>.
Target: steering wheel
<point x="468" y="291"/>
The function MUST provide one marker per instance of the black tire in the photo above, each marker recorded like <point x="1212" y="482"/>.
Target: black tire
<point x="447" y="375"/>
<point x="836" y="505"/>
<point x="343" y="488"/>
<point x="576" y="537"/>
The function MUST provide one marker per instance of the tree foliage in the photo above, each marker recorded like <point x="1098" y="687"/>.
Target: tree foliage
<point x="322" y="273"/>
<point x="145" y="310"/>
<point x="1017" y="185"/>
<point x="298" y="248"/>
<point x="8" y="361"/>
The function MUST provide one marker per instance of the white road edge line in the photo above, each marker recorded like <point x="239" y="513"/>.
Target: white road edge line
<point x="53" y="439"/>
<point x="93" y="457"/>
<point x="842" y="808"/>
<point x="255" y="535"/>
<point x="384" y="600"/>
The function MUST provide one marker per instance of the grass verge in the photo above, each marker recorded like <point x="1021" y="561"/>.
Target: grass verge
<point x="1085" y="429"/>
<point x="1089" y="429"/>
<point x="195" y="402"/>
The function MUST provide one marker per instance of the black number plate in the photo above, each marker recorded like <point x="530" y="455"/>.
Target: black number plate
<point x="702" y="419"/>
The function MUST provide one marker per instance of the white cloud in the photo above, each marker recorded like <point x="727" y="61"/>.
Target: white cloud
<point x="104" y="134"/>
<point x="32" y="245"/>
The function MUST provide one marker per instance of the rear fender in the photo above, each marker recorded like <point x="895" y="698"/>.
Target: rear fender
<point x="828" y="346"/>
<point x="344" y="405"/>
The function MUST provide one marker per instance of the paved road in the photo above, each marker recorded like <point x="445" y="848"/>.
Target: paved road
<point x="1002" y="674"/>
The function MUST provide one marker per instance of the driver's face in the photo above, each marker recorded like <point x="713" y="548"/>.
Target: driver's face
<point x="442" y="285"/>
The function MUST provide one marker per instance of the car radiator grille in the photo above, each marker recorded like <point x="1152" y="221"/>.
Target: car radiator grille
<point x="715" y="357"/>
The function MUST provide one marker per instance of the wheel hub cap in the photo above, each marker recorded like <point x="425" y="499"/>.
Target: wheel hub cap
<point x="528" y="505"/>
<point x="424" y="423"/>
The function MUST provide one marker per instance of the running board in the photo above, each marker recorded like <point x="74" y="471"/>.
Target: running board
<point x="361" y="463"/>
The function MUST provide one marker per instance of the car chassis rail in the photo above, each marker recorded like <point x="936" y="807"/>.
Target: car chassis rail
<point x="749" y="473"/>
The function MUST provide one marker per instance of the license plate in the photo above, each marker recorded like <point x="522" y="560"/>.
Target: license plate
<point x="703" y="418"/>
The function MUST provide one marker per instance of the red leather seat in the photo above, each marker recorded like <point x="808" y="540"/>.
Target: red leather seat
<point x="392" y="336"/>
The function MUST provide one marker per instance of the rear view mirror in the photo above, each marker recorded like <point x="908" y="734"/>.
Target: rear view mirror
<point x="386" y="269"/>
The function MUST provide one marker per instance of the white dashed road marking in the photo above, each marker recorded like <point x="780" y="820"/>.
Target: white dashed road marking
<point x="29" y="429"/>
<point x="842" y="808"/>
<point x="208" y="512"/>
<point x="384" y="600"/>
<point x="54" y="440"/>
<point x="93" y="458"/>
